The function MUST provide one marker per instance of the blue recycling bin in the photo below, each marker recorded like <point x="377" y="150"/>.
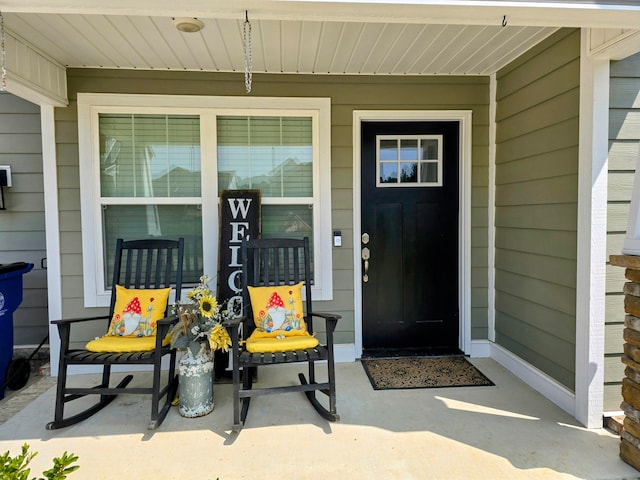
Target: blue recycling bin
<point x="10" y="299"/>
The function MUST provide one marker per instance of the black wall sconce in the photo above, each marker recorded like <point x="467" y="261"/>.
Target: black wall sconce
<point x="5" y="181"/>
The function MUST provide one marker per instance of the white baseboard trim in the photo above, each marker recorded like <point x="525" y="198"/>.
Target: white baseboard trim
<point x="615" y="413"/>
<point x="480" y="349"/>
<point x="345" y="352"/>
<point x="536" y="379"/>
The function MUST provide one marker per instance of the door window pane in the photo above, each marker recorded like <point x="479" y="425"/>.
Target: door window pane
<point x="429" y="172"/>
<point x="388" y="150"/>
<point x="149" y="156"/>
<point x="409" y="149"/>
<point x="430" y="149"/>
<point x="388" y="173"/>
<point x="409" y="173"/>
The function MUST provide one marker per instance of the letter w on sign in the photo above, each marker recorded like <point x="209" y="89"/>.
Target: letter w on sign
<point x="239" y="206"/>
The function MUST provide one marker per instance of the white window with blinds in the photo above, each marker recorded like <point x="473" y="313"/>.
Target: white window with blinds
<point x="275" y="156"/>
<point x="157" y="170"/>
<point x="145" y="162"/>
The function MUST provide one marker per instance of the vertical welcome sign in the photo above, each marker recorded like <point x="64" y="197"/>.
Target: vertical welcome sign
<point x="239" y="218"/>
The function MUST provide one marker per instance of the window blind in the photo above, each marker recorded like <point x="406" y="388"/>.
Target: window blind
<point x="149" y="156"/>
<point x="273" y="154"/>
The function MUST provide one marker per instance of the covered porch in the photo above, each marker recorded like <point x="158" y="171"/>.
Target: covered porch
<point x="314" y="48"/>
<point x="504" y="431"/>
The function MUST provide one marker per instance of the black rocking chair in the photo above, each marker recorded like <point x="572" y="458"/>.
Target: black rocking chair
<point x="272" y="263"/>
<point x="139" y="264"/>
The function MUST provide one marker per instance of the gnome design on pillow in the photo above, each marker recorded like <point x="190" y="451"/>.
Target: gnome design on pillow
<point x="132" y="322"/>
<point x="276" y="316"/>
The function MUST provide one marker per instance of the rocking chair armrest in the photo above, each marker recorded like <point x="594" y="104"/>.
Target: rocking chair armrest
<point x="64" y="329"/>
<point x="66" y="321"/>
<point x="162" y="328"/>
<point x="170" y="320"/>
<point x="330" y="318"/>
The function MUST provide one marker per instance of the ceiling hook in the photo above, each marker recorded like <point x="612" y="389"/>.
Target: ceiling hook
<point x="504" y="21"/>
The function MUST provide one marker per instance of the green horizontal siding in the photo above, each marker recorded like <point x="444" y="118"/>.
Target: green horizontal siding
<point x="22" y="232"/>
<point x="536" y="205"/>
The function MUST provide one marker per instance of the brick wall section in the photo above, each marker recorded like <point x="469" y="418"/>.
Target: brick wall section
<point x="630" y="434"/>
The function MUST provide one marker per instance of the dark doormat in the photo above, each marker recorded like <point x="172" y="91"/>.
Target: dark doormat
<point x="425" y="372"/>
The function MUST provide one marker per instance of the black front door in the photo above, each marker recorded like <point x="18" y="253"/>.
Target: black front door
<point x="409" y="245"/>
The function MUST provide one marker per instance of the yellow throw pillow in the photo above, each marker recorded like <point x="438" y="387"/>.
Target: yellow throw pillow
<point x="110" y="343"/>
<point x="257" y="344"/>
<point x="137" y="311"/>
<point x="278" y="310"/>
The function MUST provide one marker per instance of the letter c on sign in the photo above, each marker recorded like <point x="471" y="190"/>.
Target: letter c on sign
<point x="234" y="282"/>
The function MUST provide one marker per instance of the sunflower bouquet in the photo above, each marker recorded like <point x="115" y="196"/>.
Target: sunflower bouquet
<point x="200" y="321"/>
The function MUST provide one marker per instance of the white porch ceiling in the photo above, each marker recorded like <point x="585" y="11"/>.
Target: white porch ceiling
<point x="373" y="37"/>
<point x="279" y="46"/>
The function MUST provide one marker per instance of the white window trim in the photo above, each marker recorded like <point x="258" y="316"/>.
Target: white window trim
<point x="208" y="108"/>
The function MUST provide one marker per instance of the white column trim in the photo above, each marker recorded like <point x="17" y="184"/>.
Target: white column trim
<point x="491" y="211"/>
<point x="537" y="379"/>
<point x="591" y="235"/>
<point x="52" y="229"/>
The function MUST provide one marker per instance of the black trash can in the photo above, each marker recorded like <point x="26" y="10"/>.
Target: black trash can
<point x="10" y="299"/>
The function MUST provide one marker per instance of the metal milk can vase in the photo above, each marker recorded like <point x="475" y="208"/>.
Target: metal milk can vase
<point x="196" y="382"/>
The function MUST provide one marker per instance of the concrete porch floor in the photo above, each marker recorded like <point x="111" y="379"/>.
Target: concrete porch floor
<point x="507" y="431"/>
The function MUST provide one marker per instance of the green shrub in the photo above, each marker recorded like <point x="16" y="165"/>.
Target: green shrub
<point x="16" y="468"/>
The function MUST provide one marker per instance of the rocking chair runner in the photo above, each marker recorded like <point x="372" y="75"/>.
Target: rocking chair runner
<point x="139" y="264"/>
<point x="272" y="263"/>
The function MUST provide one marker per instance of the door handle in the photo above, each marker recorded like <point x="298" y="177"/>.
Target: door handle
<point x="365" y="256"/>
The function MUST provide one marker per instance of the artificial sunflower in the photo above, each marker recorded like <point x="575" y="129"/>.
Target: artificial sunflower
<point x="219" y="338"/>
<point x="208" y="306"/>
<point x="200" y="321"/>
